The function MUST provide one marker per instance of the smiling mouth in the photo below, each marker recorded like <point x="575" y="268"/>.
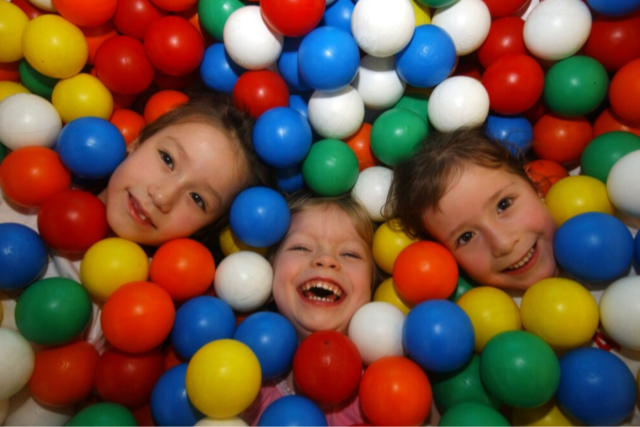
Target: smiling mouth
<point x="524" y="260"/>
<point x="138" y="213"/>
<point x="321" y="291"/>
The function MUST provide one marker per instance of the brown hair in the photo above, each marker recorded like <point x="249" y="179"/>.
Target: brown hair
<point x="420" y="182"/>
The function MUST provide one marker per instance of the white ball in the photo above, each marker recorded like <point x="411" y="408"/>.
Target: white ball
<point x="467" y="22"/>
<point x="376" y="329"/>
<point x="25" y="410"/>
<point x="233" y="421"/>
<point x="244" y="280"/>
<point x="620" y="311"/>
<point x="372" y="188"/>
<point x="378" y="83"/>
<point x="556" y="29"/>
<point x="336" y="114"/>
<point x="44" y="5"/>
<point x="458" y="102"/>
<point x="530" y="6"/>
<point x="16" y="362"/>
<point x="623" y="184"/>
<point x="383" y="27"/>
<point x="250" y="42"/>
<point x="27" y="119"/>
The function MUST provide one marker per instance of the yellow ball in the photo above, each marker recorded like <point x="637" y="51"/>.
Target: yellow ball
<point x="561" y="312"/>
<point x="423" y="15"/>
<point x="81" y="96"/>
<point x="229" y="243"/>
<point x="223" y="378"/>
<point x="574" y="195"/>
<point x="111" y="263"/>
<point x="491" y="311"/>
<point x="387" y="292"/>
<point x="12" y="24"/>
<point x="54" y="46"/>
<point x="11" y="88"/>
<point x="388" y="241"/>
<point x="548" y="414"/>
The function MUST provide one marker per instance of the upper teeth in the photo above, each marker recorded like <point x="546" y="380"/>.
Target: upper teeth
<point x="324" y="285"/>
<point x="142" y="217"/>
<point x="524" y="260"/>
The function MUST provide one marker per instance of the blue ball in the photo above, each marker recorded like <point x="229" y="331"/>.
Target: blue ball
<point x="91" y="147"/>
<point x="429" y="57"/>
<point x="300" y="103"/>
<point x="282" y="137"/>
<point x="338" y="15"/>
<point x="199" y="321"/>
<point x="293" y="411"/>
<point x="23" y="256"/>
<point x="596" y="387"/>
<point x="218" y="71"/>
<point x="614" y="8"/>
<point x="438" y="335"/>
<point x="170" y="405"/>
<point x="272" y="338"/>
<point x="636" y="250"/>
<point x="513" y="132"/>
<point x="288" y="65"/>
<point x="290" y="179"/>
<point x="594" y="246"/>
<point x="328" y="59"/>
<point x="259" y="216"/>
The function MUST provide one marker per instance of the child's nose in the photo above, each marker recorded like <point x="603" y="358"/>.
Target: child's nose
<point x="326" y="260"/>
<point x="163" y="196"/>
<point x="504" y="243"/>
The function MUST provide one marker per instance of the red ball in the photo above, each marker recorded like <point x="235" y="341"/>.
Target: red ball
<point x="86" y="13"/>
<point x="162" y="102"/>
<point x="134" y="17"/>
<point x="64" y="375"/>
<point x="29" y="9"/>
<point x="394" y="391"/>
<point x="137" y="317"/>
<point x="292" y="18"/>
<point x="360" y="143"/>
<point x="122" y="66"/>
<point x="30" y="175"/>
<point x="72" y="221"/>
<point x="500" y="8"/>
<point x="425" y="270"/>
<point x="514" y="83"/>
<point x="505" y="37"/>
<point x="174" y="46"/>
<point x="175" y="5"/>
<point x="608" y="121"/>
<point x="126" y="378"/>
<point x="128" y="122"/>
<point x="95" y="36"/>
<point x="624" y="92"/>
<point x="614" y="41"/>
<point x="259" y="91"/>
<point x="545" y="173"/>
<point x="327" y="367"/>
<point x="561" y="139"/>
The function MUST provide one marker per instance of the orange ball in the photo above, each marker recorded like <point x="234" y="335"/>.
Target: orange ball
<point x="609" y="121"/>
<point x="9" y="72"/>
<point x="128" y="122"/>
<point x="137" y="317"/>
<point x="95" y="36"/>
<point x="30" y="175"/>
<point x="360" y="143"/>
<point x="624" y="92"/>
<point x="86" y="13"/>
<point x="183" y="267"/>
<point x="162" y="102"/>
<point x="545" y="173"/>
<point x="394" y="391"/>
<point x="424" y="271"/>
<point x="561" y="139"/>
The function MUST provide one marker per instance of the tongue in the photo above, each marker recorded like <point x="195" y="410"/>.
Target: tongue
<point x="321" y="293"/>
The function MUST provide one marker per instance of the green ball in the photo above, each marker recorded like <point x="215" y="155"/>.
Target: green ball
<point x="3" y="152"/>
<point x="416" y="102"/>
<point x="213" y="14"/>
<point x="464" y="284"/>
<point x="396" y="135"/>
<point x="437" y="3"/>
<point x="36" y="82"/>
<point x="520" y="369"/>
<point x="330" y="168"/>
<point x="53" y="311"/>
<point x="104" y="414"/>
<point x="472" y="414"/>
<point x="575" y="86"/>
<point x="604" y="151"/>
<point x="462" y="385"/>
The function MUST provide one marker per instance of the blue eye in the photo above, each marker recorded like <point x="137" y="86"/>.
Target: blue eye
<point x="166" y="158"/>
<point x="505" y="204"/>
<point x="198" y="200"/>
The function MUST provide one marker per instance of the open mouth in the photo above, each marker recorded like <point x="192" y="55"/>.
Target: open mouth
<point x="138" y="213"/>
<point x="523" y="262"/>
<point x="321" y="291"/>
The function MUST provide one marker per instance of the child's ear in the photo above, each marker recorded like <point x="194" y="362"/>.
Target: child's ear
<point x="133" y="146"/>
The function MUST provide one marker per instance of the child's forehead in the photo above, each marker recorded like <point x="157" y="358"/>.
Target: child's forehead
<point x="324" y="220"/>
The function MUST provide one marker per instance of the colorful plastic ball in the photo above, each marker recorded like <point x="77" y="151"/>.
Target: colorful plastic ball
<point x="162" y="102"/>
<point x="614" y="41"/>
<point x="437" y="3"/>
<point x="290" y="179"/>
<point x="548" y="414"/>
<point x="229" y="244"/>
<point x="387" y="292"/>
<point x="27" y="119"/>
<point x="396" y="134"/>
<point x="12" y="25"/>
<point x="175" y="5"/>
<point x="505" y="37"/>
<point x="558" y="29"/>
<point x="244" y="281"/>
<point x="282" y="137"/>
<point x="223" y="378"/>
<point x="395" y="382"/>
<point x="618" y="8"/>
<point x="26" y="410"/>
<point x="513" y="132"/>
<point x="128" y="122"/>
<point x="594" y="246"/>
<point x="53" y="311"/>
<point x="16" y="362"/>
<point x="288" y="65"/>
<point x="122" y="65"/>
<point x="586" y="374"/>
<point x="174" y="46"/>
<point x="8" y="88"/>
<point x="491" y="311"/>
<point x="217" y="70"/>
<point x="292" y="18"/>
<point x="95" y="36"/>
<point x="500" y="8"/>
<point x="111" y="263"/>
<point x="214" y="14"/>
<point x="36" y="82"/>
<point x="259" y="91"/>
<point x="230" y="421"/>
<point x="360" y="143"/>
<point x="30" y="175"/>
<point x="636" y="255"/>
<point x="54" y="46"/>
<point x="561" y="139"/>
<point x="378" y="82"/>
<point x="371" y="189"/>
<point x="388" y="241"/>
<point x="457" y="102"/>
<point x="621" y="181"/>
<point x="250" y="42"/>
<point x="170" y="404"/>
<point x="103" y="413"/>
<point x="604" y="151"/>
<point x="80" y="96"/>
<point x="336" y="115"/>
<point x="331" y="168"/>
<point x="376" y="330"/>
<point x="467" y="22"/>
<point x="133" y="17"/>
<point x="381" y="28"/>
<point x="618" y="312"/>
<point x="428" y="59"/>
<point x="200" y="321"/>
<point x="293" y="410"/>
<point x="609" y="121"/>
<point x="338" y="14"/>
<point x="23" y="256"/>
<point x="574" y="195"/>
<point x="259" y="216"/>
<point x="472" y="413"/>
<point x="519" y="369"/>
<point x="90" y="14"/>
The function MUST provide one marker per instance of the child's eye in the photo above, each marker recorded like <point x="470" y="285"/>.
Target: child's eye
<point x="351" y="255"/>
<point x="299" y="248"/>
<point x="198" y="200"/>
<point x="166" y="158"/>
<point x="505" y="204"/>
<point x="464" y="238"/>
